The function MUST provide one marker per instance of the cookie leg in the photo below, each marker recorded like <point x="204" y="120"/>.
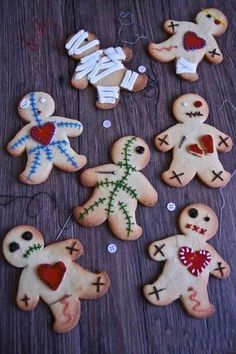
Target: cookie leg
<point x="93" y="212"/>
<point x="92" y="285"/>
<point x="66" y="313"/>
<point x="67" y="159"/>
<point x="123" y="223"/>
<point x="179" y="173"/>
<point x="37" y="170"/>
<point x="164" y="52"/>
<point x="186" y="70"/>
<point x="196" y="302"/>
<point x="214" y="175"/>
<point x="160" y="293"/>
<point x="108" y="96"/>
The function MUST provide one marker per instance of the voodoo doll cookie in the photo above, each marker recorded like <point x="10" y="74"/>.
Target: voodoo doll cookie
<point x="45" y="139"/>
<point x="190" y="42"/>
<point x="195" y="145"/>
<point x="102" y="68"/>
<point x="119" y="186"/>
<point x="51" y="273"/>
<point x="189" y="261"/>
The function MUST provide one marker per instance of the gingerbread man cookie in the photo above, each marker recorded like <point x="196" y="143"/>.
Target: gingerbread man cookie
<point x="103" y="68"/>
<point x="45" y="139"/>
<point x="189" y="261"/>
<point x="52" y="274"/>
<point x="194" y="145"/>
<point x="190" y="42"/>
<point x="118" y="189"/>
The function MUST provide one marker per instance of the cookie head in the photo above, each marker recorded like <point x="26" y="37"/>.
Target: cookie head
<point x="132" y="152"/>
<point x="200" y="220"/>
<point x="21" y="244"/>
<point x="190" y="108"/>
<point x="35" y="105"/>
<point x="213" y="20"/>
<point x="82" y="44"/>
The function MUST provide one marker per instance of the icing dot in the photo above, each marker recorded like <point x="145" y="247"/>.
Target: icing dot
<point x="142" y="69"/>
<point x="197" y="104"/>
<point x="106" y="123"/>
<point x="42" y="100"/>
<point x="171" y="206"/>
<point x="184" y="104"/>
<point x="112" y="248"/>
<point x="25" y="103"/>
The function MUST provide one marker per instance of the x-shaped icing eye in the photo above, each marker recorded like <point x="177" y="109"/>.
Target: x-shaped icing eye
<point x="140" y="150"/>
<point x="184" y="104"/>
<point x="13" y="247"/>
<point x="27" y="236"/>
<point x="42" y="100"/>
<point x="193" y="213"/>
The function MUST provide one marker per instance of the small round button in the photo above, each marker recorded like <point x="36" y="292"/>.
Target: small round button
<point x="112" y="248"/>
<point x="171" y="206"/>
<point x="142" y="69"/>
<point x="106" y="123"/>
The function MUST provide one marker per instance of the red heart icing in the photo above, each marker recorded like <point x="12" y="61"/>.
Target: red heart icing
<point x="196" y="261"/>
<point x="207" y="144"/>
<point x="192" y="41"/>
<point x="51" y="274"/>
<point x="195" y="150"/>
<point x="43" y="133"/>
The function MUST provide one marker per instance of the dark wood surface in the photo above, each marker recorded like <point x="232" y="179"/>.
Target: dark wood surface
<point x="32" y="38"/>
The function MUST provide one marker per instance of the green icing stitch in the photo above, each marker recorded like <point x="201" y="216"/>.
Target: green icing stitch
<point x="31" y="249"/>
<point x="92" y="207"/>
<point x="128" y="218"/>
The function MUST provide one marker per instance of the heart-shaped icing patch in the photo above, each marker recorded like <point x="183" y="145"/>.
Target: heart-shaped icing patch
<point x="43" y="133"/>
<point x="51" y="274"/>
<point x="206" y="142"/>
<point x="196" y="261"/>
<point x="193" y="41"/>
<point x="195" y="150"/>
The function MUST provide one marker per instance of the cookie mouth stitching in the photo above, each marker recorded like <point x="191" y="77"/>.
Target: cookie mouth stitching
<point x="31" y="249"/>
<point x="194" y="114"/>
<point x="196" y="228"/>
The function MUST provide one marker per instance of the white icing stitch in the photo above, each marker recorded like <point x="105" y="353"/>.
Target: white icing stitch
<point x="108" y="94"/>
<point x="100" y="64"/>
<point x="184" y="66"/>
<point x="129" y="80"/>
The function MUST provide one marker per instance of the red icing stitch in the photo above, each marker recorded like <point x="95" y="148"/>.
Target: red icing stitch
<point x="51" y="274"/>
<point x="195" y="150"/>
<point x="192" y="41"/>
<point x="195" y="262"/>
<point x="43" y="134"/>
<point x="207" y="144"/>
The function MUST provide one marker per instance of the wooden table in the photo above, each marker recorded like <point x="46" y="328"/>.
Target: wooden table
<point x="33" y="35"/>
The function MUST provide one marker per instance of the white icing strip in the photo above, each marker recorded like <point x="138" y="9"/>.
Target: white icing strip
<point x="184" y="66"/>
<point x="76" y="41"/>
<point x="108" y="94"/>
<point x="87" y="46"/>
<point x="115" y="54"/>
<point x="129" y="80"/>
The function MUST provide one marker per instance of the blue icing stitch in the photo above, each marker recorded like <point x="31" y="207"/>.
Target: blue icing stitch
<point x="35" y="163"/>
<point x="34" y="108"/>
<point x="68" y="125"/>
<point x="68" y="156"/>
<point x="19" y="142"/>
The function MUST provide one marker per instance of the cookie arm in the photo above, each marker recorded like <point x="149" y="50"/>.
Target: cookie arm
<point x="71" y="127"/>
<point x="27" y="299"/>
<point x="162" y="249"/>
<point x="219" y="268"/>
<point x="71" y="248"/>
<point x="147" y="195"/>
<point x="213" y="53"/>
<point x="171" y="26"/>
<point x="166" y="140"/>
<point x="18" y="144"/>
<point x="223" y="142"/>
<point x="91" y="176"/>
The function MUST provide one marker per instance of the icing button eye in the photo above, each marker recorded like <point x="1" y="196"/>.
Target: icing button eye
<point x="140" y="150"/>
<point x="39" y="111"/>
<point x="42" y="100"/>
<point x="184" y="104"/>
<point x="197" y="104"/>
<point x="208" y="15"/>
<point x="193" y="213"/>
<point x="27" y="236"/>
<point x="207" y="218"/>
<point x="217" y="22"/>
<point x="13" y="247"/>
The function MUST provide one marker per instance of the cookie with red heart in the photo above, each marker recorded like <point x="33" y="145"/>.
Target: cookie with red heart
<point x="190" y="42"/>
<point x="189" y="262"/>
<point x="51" y="273"/>
<point x="45" y="139"/>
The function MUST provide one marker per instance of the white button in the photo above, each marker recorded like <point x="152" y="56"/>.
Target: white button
<point x="171" y="206"/>
<point x="25" y="103"/>
<point x="112" y="248"/>
<point x="142" y="69"/>
<point x="106" y="123"/>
